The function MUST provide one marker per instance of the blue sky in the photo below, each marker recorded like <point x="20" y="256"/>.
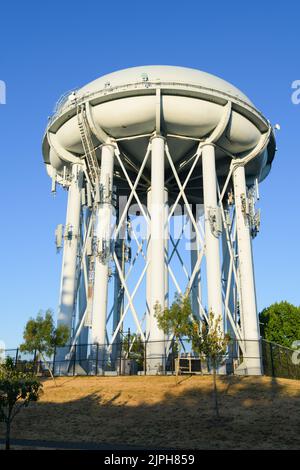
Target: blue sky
<point x="47" y="48"/>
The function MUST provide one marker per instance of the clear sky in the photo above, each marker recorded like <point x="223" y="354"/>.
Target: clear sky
<point x="48" y="48"/>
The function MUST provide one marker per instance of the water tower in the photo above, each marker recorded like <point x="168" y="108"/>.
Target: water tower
<point x="179" y="144"/>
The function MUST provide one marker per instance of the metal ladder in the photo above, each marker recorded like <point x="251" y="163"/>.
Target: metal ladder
<point x="88" y="146"/>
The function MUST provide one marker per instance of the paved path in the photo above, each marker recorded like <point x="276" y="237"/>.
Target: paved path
<point x="69" y="445"/>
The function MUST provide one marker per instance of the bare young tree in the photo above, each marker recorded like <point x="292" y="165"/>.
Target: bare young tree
<point x="176" y="320"/>
<point x="210" y="342"/>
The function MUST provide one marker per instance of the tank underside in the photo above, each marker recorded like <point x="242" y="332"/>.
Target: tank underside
<point x="188" y="114"/>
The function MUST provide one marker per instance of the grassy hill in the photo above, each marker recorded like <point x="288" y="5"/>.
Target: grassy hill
<point x="257" y="413"/>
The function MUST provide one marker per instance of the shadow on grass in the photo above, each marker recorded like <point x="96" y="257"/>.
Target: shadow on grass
<point x="256" y="413"/>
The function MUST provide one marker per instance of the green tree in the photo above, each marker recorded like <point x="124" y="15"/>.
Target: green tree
<point x="41" y="335"/>
<point x="17" y="390"/>
<point x="176" y="321"/>
<point x="210" y="342"/>
<point x="280" y="323"/>
<point x="133" y="347"/>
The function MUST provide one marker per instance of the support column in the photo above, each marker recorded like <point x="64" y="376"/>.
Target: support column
<point x="250" y="326"/>
<point x="166" y="238"/>
<point x="212" y="247"/>
<point x="103" y="240"/>
<point x="82" y="346"/>
<point x="196" y="286"/>
<point x="71" y="242"/>
<point x="118" y="292"/>
<point x="148" y="273"/>
<point x="229" y="279"/>
<point x="156" y="349"/>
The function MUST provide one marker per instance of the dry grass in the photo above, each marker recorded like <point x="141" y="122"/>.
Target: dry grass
<point x="257" y="412"/>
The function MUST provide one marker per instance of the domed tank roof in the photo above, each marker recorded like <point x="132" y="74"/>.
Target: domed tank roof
<point x="123" y="106"/>
<point x="164" y="73"/>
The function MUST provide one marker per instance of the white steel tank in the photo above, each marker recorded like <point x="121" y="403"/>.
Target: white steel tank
<point x="159" y="135"/>
<point x="124" y="104"/>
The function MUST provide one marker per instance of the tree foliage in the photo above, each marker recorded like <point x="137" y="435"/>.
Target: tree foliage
<point x="41" y="335"/>
<point x="210" y="342"/>
<point x="176" y="320"/>
<point x="17" y="390"/>
<point x="207" y="338"/>
<point x="280" y="323"/>
<point x="134" y="348"/>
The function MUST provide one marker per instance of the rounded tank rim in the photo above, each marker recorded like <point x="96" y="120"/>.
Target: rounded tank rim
<point x="164" y="73"/>
<point x="145" y="80"/>
<point x="217" y="90"/>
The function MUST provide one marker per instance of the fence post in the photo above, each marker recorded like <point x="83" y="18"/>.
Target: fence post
<point x="34" y="361"/>
<point x="172" y="358"/>
<point x="120" y="356"/>
<point x="74" y="361"/>
<point x="97" y="359"/>
<point x="261" y="355"/>
<point x="145" y="357"/>
<point x="279" y="360"/>
<point x="128" y="356"/>
<point x="165" y="357"/>
<point x="128" y="339"/>
<point x="16" y="358"/>
<point x="53" y="363"/>
<point x="272" y="360"/>
<point x="287" y="356"/>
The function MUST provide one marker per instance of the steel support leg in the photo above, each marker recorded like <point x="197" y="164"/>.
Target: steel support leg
<point x="250" y="326"/>
<point x="82" y="304"/>
<point x="196" y="286"/>
<point x="68" y="285"/>
<point x="148" y="273"/>
<point x="166" y="239"/>
<point x="118" y="295"/>
<point x="156" y="347"/>
<point x="103" y="237"/>
<point x="212" y="248"/>
<point x="228" y="280"/>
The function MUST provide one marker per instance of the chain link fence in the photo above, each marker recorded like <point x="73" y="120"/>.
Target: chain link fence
<point x="279" y="361"/>
<point x="132" y="356"/>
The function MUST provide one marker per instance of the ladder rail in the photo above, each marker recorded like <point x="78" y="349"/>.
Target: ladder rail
<point x="88" y="146"/>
